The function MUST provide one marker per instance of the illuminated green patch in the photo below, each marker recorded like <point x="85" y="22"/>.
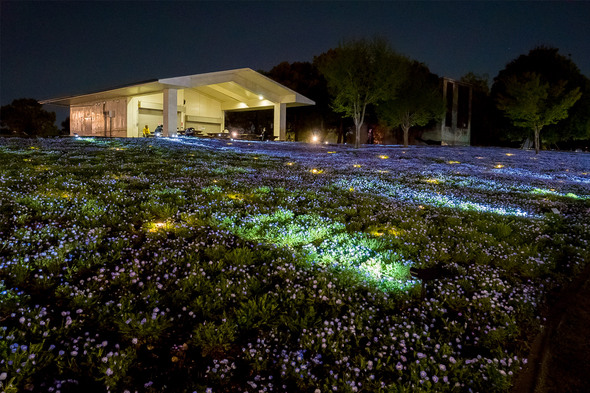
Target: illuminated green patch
<point x="320" y="240"/>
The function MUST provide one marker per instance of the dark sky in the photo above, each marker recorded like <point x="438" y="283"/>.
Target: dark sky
<point x="50" y="49"/>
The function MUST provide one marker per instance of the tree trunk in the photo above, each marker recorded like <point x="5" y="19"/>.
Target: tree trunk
<point x="358" y="122"/>
<point x="357" y="139"/>
<point x="537" y="142"/>
<point x="406" y="135"/>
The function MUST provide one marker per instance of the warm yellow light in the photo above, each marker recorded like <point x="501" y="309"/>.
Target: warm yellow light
<point x="509" y="154"/>
<point x="260" y="97"/>
<point x="432" y="181"/>
<point x="315" y="138"/>
<point x="154" y="227"/>
<point x="498" y="166"/>
<point x="383" y="157"/>
<point x="317" y="171"/>
<point x="453" y="162"/>
<point x="331" y="152"/>
<point x="289" y="163"/>
<point x="357" y="165"/>
<point x="351" y="189"/>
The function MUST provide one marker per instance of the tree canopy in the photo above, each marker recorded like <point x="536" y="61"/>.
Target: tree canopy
<point x="417" y="102"/>
<point x="361" y="73"/>
<point x="305" y="78"/>
<point x="553" y="69"/>
<point x="26" y="117"/>
<point x="532" y="103"/>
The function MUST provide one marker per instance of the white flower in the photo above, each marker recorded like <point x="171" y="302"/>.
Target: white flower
<point x="3" y="376"/>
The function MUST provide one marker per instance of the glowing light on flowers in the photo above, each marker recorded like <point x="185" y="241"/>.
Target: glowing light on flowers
<point x="498" y="166"/>
<point x="509" y="154"/>
<point x="453" y="162"/>
<point x="357" y="165"/>
<point x="383" y="157"/>
<point x="159" y="226"/>
<point x="317" y="171"/>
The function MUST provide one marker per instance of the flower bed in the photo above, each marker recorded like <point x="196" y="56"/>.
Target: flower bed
<point x="190" y="264"/>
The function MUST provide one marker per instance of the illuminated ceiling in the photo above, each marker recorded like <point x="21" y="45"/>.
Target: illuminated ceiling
<point x="235" y="89"/>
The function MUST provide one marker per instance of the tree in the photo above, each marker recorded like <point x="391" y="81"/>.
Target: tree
<point x="305" y="78"/>
<point x="65" y="126"/>
<point x="553" y="68"/>
<point x="417" y="102"/>
<point x="361" y="73"/>
<point x="26" y="117"/>
<point x="532" y="103"/>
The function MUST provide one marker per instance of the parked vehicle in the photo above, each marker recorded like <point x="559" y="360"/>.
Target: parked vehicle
<point x="158" y="131"/>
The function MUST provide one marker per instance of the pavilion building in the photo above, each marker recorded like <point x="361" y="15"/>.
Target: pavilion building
<point x="199" y="101"/>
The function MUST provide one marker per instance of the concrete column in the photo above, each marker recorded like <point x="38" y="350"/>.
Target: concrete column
<point x="170" y="112"/>
<point x="280" y="122"/>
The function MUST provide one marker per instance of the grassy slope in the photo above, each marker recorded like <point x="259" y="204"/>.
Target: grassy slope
<point x="154" y="265"/>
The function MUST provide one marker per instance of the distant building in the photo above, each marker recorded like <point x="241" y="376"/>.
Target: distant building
<point x="199" y="101"/>
<point x="455" y="128"/>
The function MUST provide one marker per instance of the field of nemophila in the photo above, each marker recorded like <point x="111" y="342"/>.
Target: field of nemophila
<point x="194" y="265"/>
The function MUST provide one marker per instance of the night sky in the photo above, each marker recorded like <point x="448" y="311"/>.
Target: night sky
<point x="53" y="49"/>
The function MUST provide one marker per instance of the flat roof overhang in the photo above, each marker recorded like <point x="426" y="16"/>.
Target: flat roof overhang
<point x="237" y="89"/>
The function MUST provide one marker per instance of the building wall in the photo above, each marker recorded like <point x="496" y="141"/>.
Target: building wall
<point x="456" y="126"/>
<point x="104" y="118"/>
<point x="202" y="113"/>
<point x="126" y="117"/>
<point x="454" y="129"/>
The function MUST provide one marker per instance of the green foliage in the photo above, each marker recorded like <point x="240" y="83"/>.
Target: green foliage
<point x="240" y="280"/>
<point x="360" y="73"/>
<point x="553" y="68"/>
<point x="532" y="103"/>
<point x="417" y="101"/>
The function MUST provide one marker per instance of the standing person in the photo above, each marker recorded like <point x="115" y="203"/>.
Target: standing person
<point x="370" y="136"/>
<point x="146" y="131"/>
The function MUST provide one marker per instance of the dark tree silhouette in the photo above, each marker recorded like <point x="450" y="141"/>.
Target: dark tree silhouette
<point x="362" y="73"/>
<point x="553" y="68"/>
<point x="26" y="117"/>
<point x="417" y="101"/>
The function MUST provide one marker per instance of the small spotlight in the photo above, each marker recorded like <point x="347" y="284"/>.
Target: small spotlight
<point x="315" y="138"/>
